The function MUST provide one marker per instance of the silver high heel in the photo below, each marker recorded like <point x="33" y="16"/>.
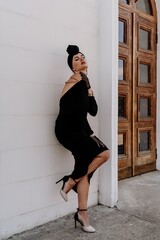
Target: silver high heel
<point x="65" y="179"/>
<point x="63" y="194"/>
<point x="89" y="228"/>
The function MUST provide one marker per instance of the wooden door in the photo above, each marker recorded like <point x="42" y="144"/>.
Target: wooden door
<point x="137" y="88"/>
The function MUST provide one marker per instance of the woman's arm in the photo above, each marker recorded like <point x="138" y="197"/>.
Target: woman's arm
<point x="93" y="107"/>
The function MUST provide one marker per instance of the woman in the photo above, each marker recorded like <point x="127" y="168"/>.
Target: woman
<point x="74" y="133"/>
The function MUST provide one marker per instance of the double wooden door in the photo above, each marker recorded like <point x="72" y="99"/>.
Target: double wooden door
<point x="137" y="88"/>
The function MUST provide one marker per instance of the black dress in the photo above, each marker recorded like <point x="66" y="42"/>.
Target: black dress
<point x="73" y="130"/>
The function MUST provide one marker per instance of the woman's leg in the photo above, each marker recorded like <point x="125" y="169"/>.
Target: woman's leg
<point x="83" y="186"/>
<point x="83" y="190"/>
<point x="97" y="162"/>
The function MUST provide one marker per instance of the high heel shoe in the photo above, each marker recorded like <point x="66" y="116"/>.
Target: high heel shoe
<point x="65" y="179"/>
<point x="63" y="194"/>
<point x="89" y="228"/>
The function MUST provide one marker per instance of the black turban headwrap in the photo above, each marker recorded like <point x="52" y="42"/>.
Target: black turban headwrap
<point x="72" y="50"/>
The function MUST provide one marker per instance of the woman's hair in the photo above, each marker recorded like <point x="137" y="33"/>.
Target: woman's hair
<point x="72" y="50"/>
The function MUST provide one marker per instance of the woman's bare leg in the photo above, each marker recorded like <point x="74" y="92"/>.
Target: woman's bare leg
<point x="83" y="190"/>
<point x="97" y="162"/>
<point x="83" y="186"/>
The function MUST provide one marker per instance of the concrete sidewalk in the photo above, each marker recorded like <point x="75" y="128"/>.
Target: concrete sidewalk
<point x="136" y="216"/>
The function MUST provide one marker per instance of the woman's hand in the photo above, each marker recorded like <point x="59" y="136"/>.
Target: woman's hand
<point x="85" y="78"/>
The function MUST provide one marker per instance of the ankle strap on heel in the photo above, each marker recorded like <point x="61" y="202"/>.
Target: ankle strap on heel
<point x="78" y="209"/>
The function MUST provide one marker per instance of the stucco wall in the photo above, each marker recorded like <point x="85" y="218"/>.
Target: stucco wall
<point x="34" y="36"/>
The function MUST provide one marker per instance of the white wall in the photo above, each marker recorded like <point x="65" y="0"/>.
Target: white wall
<point x="33" y="41"/>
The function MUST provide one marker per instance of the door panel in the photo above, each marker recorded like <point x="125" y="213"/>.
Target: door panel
<point x="125" y="94"/>
<point x="137" y="89"/>
<point x="145" y="96"/>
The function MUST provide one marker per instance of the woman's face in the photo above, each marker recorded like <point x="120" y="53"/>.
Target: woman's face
<point x="79" y="62"/>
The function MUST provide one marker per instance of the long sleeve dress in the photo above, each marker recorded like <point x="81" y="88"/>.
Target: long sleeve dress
<point x="73" y="130"/>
